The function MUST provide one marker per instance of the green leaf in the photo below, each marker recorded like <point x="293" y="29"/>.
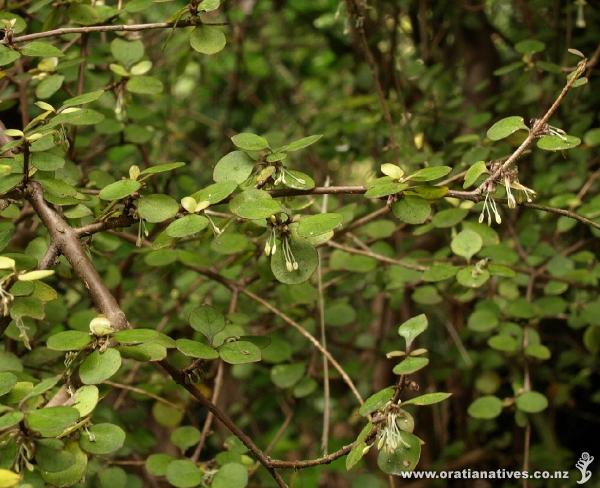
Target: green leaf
<point x="474" y="172"/>
<point x="51" y="421"/>
<point x="41" y="49"/>
<point x="183" y="473"/>
<point x="235" y="166"/>
<point x="52" y="457"/>
<point x="207" y="39"/>
<point x="99" y="366"/>
<point x="187" y="226"/>
<point x="135" y="336"/>
<point x="529" y="46"/>
<point x="305" y="256"/>
<point x="376" y="401"/>
<point x="196" y="349"/>
<point x="119" y="190"/>
<point x="239" y="352"/>
<point x="410" y="365"/>
<point x="558" y="143"/>
<point x="48" y="86"/>
<point x="383" y="187"/>
<point x="230" y="475"/>
<point x="77" y="116"/>
<point x="538" y="351"/>
<point x="156" y="464"/>
<point x="287" y="375"/>
<point x="85" y="399"/>
<point x="254" y="204"/>
<point x="144" y="85"/>
<point x="430" y="174"/>
<point x="482" y="320"/>
<point x="412" y="328"/>
<point x="207" y="320"/>
<point x="392" y="170"/>
<point x="404" y="458"/>
<point x="216" y="192"/>
<point x="471" y="277"/>
<point x="250" y="142"/>
<point x="298" y="180"/>
<point x="73" y="474"/>
<point x="505" y="127"/>
<point x="299" y="144"/>
<point x="504" y="343"/>
<point x="315" y="225"/>
<point x="412" y="210"/>
<point x="127" y="52"/>
<point x="485" y="407"/>
<point x="69" y="340"/>
<point x="161" y="168"/>
<point x="38" y="274"/>
<point x="7" y="55"/>
<point x="439" y="272"/>
<point x="82" y="99"/>
<point x="10" y="419"/>
<point x="185" y="437"/>
<point x="355" y="455"/>
<point x="592" y="137"/>
<point x="466" y="243"/>
<point x="104" y="439"/>
<point x="449" y="217"/>
<point x="157" y="207"/>
<point x="428" y="399"/>
<point x="7" y="381"/>
<point x="531" y="402"/>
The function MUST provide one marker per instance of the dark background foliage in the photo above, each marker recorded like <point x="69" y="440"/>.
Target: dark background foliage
<point x="413" y="83"/>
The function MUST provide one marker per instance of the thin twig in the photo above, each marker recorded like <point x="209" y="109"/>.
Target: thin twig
<point x="378" y="257"/>
<point x="535" y="131"/>
<point x="321" y="314"/>
<point x="108" y="28"/>
<point x="309" y="336"/>
<point x="141" y="391"/>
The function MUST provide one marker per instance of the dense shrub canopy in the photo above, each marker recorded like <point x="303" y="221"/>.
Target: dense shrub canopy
<point x="302" y="243"/>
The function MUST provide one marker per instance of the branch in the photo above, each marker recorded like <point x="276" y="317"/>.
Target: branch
<point x="535" y="131"/>
<point x="309" y="336"/>
<point x="378" y="257"/>
<point x="67" y="242"/>
<point x="225" y="420"/>
<point x="106" y="28"/>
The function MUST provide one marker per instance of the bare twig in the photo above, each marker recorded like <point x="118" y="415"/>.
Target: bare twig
<point x="108" y="28"/>
<point x="310" y="337"/>
<point x="321" y="317"/>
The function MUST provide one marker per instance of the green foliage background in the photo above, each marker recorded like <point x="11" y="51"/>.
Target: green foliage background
<point x="185" y="152"/>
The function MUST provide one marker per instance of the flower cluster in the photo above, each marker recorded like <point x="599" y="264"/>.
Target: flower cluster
<point x="278" y="228"/>
<point x="283" y="173"/>
<point x="510" y="179"/>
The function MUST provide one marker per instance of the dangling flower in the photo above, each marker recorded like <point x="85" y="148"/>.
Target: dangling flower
<point x="6" y="299"/>
<point x="512" y="203"/>
<point x="528" y="192"/>
<point x="290" y="261"/>
<point x="271" y="245"/>
<point x="489" y="207"/>
<point x="389" y="437"/>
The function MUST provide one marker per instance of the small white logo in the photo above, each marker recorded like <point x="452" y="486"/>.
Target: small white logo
<point x="584" y="461"/>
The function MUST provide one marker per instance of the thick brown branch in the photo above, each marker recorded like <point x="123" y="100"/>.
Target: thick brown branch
<point x="67" y="242"/>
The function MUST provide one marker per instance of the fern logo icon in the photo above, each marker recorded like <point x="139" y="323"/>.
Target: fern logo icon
<point x="584" y="461"/>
